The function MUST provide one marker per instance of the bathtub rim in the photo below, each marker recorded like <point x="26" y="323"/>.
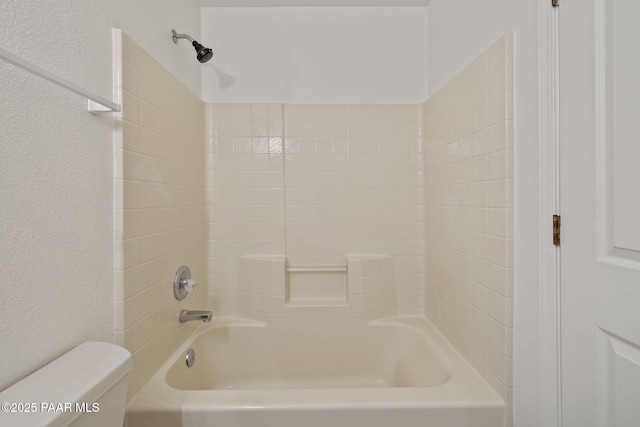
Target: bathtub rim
<point x="465" y="387"/>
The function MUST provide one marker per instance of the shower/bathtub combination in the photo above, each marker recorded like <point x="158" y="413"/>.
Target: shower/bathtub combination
<point x="397" y="371"/>
<point x="238" y="372"/>
<point x="362" y="279"/>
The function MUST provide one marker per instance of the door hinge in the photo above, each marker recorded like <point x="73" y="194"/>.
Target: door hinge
<point x="555" y="3"/>
<point x="556" y="230"/>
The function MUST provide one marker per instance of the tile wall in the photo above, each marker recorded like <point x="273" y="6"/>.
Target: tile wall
<point x="160" y="212"/>
<point x="367" y="290"/>
<point x="315" y="183"/>
<point x="468" y="145"/>
<point x="245" y="189"/>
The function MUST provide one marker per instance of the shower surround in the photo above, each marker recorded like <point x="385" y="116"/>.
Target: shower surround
<point x="416" y="200"/>
<point x="430" y="186"/>
<point x="317" y="184"/>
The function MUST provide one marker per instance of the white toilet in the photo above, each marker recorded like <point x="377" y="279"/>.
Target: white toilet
<point x="85" y="387"/>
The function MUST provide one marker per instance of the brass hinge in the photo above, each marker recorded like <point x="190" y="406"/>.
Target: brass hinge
<point x="556" y="230"/>
<point x="555" y="3"/>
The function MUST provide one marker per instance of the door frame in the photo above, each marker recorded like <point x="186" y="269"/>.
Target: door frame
<point x="549" y="346"/>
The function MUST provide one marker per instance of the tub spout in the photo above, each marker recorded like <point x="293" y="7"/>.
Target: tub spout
<point x="188" y="315"/>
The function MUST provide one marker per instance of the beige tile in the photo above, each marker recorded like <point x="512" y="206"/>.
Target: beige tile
<point x="148" y="66"/>
<point x="149" y="91"/>
<point x="131" y="136"/>
<point x="131" y="107"/>
<point x="485" y="85"/>
<point x="148" y="231"/>
<point x="131" y="79"/>
<point x="498" y="80"/>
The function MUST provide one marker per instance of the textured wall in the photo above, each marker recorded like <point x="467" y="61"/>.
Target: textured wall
<point x="56" y="171"/>
<point x="55" y="224"/>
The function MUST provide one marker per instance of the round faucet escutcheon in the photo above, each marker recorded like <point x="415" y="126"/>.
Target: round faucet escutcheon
<point x="183" y="284"/>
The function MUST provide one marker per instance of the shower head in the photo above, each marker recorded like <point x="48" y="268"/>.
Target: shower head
<point x="204" y="53"/>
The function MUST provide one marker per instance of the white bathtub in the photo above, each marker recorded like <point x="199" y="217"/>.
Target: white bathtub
<point x="396" y="372"/>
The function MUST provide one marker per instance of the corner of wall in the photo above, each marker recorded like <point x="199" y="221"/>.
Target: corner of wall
<point x="468" y="146"/>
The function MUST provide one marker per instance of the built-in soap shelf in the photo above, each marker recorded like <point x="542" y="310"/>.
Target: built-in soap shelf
<point x="355" y="284"/>
<point x="316" y="282"/>
<point x="318" y="269"/>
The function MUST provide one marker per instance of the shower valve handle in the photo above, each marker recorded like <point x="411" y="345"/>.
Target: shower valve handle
<point x="183" y="284"/>
<point x="189" y="285"/>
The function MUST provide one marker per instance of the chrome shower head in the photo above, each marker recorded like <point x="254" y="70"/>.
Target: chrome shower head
<point x="204" y="53"/>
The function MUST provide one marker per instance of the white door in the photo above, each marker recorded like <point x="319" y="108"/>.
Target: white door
<point x="600" y="207"/>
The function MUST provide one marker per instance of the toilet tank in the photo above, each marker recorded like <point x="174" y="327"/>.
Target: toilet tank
<point x="85" y="387"/>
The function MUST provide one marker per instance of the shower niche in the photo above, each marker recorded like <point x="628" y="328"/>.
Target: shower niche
<point x="358" y="285"/>
<point x="309" y="284"/>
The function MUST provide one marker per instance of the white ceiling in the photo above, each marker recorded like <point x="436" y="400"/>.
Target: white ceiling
<point x="315" y="3"/>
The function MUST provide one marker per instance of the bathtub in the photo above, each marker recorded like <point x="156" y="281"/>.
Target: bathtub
<point x="396" y="372"/>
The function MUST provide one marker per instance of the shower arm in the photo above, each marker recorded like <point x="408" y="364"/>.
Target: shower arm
<point x="204" y="53"/>
<point x="177" y="36"/>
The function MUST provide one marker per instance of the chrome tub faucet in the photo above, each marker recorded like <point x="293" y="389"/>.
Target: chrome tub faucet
<point x="189" y="315"/>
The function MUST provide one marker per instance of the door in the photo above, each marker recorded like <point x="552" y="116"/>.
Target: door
<point x="599" y="92"/>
